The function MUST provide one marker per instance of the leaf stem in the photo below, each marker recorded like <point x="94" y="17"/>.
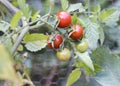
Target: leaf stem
<point x="88" y="7"/>
<point x="18" y="41"/>
<point x="26" y="27"/>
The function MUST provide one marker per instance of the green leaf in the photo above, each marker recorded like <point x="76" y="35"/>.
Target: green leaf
<point x="105" y="13"/>
<point x="34" y="37"/>
<point x="97" y="8"/>
<point x="24" y="8"/>
<point x="75" y="7"/>
<point x="14" y="2"/>
<point x="75" y="20"/>
<point x="35" y="46"/>
<point x="46" y="6"/>
<point x="112" y="34"/>
<point x="34" y="17"/>
<point x="101" y="35"/>
<point x="6" y="65"/>
<point x="73" y="77"/>
<point x="88" y="71"/>
<point x="110" y="65"/>
<point x="109" y="17"/>
<point x="84" y="57"/>
<point x="91" y="34"/>
<point x="64" y="4"/>
<point x="98" y="68"/>
<point x="20" y="48"/>
<point x="7" y="42"/>
<point x="4" y="26"/>
<point x="15" y="19"/>
<point x="35" y="42"/>
<point x="80" y="64"/>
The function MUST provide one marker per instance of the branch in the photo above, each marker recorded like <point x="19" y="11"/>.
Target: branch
<point x="88" y="7"/>
<point x="24" y="31"/>
<point x="26" y="26"/>
<point x="9" y="5"/>
<point x="18" y="41"/>
<point x="70" y="66"/>
<point x="51" y="75"/>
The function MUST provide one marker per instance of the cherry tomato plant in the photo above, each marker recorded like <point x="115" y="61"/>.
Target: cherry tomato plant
<point x="75" y="34"/>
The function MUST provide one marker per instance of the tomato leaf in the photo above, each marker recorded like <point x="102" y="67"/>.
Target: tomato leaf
<point x="109" y="63"/>
<point x="109" y="17"/>
<point x="84" y="57"/>
<point x="92" y="34"/>
<point x="75" y="7"/>
<point x="15" y="19"/>
<point x="24" y="8"/>
<point x="97" y="8"/>
<point x="34" y="37"/>
<point x="64" y="4"/>
<point x="35" y="46"/>
<point x="7" y="42"/>
<point x="101" y="35"/>
<point x="113" y="34"/>
<point x="73" y="77"/>
<point x="35" y="16"/>
<point x="35" y="42"/>
<point x="4" y="26"/>
<point x="6" y="65"/>
<point x="88" y="72"/>
<point x="20" y="48"/>
<point x="75" y="19"/>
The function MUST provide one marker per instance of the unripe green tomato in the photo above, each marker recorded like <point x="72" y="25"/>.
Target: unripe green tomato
<point x="63" y="55"/>
<point x="83" y="46"/>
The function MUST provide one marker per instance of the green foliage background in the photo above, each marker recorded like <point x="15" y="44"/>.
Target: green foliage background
<point x="95" y="67"/>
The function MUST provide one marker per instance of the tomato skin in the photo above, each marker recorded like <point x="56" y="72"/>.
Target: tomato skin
<point x="57" y="42"/>
<point x="64" y="18"/>
<point x="63" y="55"/>
<point x="83" y="46"/>
<point x="77" y="32"/>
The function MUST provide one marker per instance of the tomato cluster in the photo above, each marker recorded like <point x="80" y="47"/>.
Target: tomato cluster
<point x="75" y="33"/>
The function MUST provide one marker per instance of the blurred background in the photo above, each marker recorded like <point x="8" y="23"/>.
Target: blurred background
<point x="44" y="68"/>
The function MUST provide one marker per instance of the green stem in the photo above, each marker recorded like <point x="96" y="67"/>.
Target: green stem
<point x="26" y="27"/>
<point x="18" y="41"/>
<point x="51" y="8"/>
<point x="24" y="31"/>
<point x="9" y="5"/>
<point x="83" y="13"/>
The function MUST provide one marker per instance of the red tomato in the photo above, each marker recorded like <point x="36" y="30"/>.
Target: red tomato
<point x="64" y="18"/>
<point x="77" y="32"/>
<point x="57" y="41"/>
